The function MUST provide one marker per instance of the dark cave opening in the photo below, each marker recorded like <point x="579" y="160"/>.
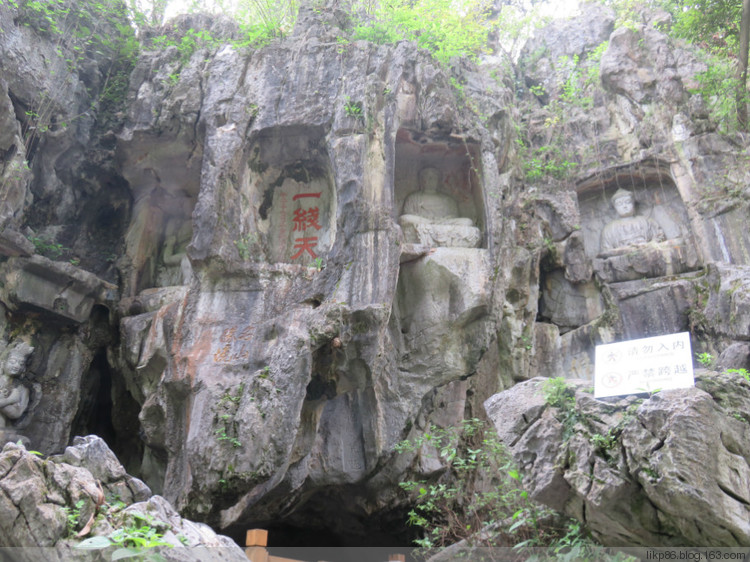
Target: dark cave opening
<point x="333" y="521"/>
<point x="108" y="410"/>
<point x="282" y="534"/>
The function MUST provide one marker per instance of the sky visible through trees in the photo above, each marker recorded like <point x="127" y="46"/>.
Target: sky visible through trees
<point x="553" y="8"/>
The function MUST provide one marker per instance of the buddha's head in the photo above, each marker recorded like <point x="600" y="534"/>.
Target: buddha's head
<point x="429" y="179"/>
<point x="16" y="359"/>
<point x="624" y="203"/>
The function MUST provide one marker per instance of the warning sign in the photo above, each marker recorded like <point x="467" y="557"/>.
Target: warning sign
<point x="644" y="365"/>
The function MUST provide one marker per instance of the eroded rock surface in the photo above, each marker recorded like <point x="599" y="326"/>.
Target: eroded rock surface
<point x="48" y="503"/>
<point x="672" y="469"/>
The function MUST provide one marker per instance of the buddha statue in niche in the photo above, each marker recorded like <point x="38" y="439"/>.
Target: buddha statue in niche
<point x="432" y="218"/>
<point x="629" y="229"/>
<point x="175" y="268"/>
<point x="14" y="395"/>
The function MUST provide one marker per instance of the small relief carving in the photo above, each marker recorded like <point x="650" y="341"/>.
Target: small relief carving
<point x="14" y="395"/>
<point x="629" y="229"/>
<point x="431" y="217"/>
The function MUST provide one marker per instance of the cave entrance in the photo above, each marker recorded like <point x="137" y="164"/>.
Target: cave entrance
<point x="108" y="410"/>
<point x="334" y="518"/>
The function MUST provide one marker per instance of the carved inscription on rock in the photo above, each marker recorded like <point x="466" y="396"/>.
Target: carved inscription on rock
<point x="233" y="345"/>
<point x="301" y="221"/>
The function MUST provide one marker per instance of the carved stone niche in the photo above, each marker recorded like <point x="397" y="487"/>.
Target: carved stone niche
<point x="157" y="239"/>
<point x="444" y="289"/>
<point x="647" y="237"/>
<point x="291" y="217"/>
<point x="438" y="196"/>
<point x="165" y="180"/>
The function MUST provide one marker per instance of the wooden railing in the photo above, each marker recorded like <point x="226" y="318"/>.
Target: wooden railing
<point x="256" y="542"/>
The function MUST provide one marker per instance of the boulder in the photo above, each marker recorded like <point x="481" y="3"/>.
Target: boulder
<point x="59" y="502"/>
<point x="672" y="469"/>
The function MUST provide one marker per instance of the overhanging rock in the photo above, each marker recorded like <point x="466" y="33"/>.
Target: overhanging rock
<point x="57" y="288"/>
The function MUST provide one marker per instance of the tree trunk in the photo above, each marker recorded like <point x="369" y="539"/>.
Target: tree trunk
<point x="741" y="93"/>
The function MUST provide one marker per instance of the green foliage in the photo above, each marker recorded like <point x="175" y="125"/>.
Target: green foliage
<point x="226" y="412"/>
<point x="717" y="86"/>
<point x="547" y="152"/>
<point x="140" y="533"/>
<point x="353" y="109"/>
<point x="479" y="488"/>
<point x="710" y="24"/>
<point x="80" y="30"/>
<point x="446" y="28"/>
<point x="244" y="244"/>
<point x="628" y="11"/>
<point x="547" y="161"/>
<point x="47" y="248"/>
<point x="558" y="395"/>
<point x="73" y="515"/>
<point x="705" y="359"/>
<point x="607" y="441"/>
<point x="572" y="90"/>
<point x="714" y="27"/>
<point x="262" y="20"/>
<point x="741" y="372"/>
<point x="576" y="544"/>
<point x="187" y="43"/>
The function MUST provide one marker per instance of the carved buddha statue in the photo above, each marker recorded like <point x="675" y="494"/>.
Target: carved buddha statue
<point x="175" y="268"/>
<point x="14" y="396"/>
<point x="629" y="229"/>
<point x="432" y="218"/>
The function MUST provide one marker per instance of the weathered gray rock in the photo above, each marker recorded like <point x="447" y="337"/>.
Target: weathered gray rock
<point x="564" y="40"/>
<point x="13" y="244"/>
<point x="287" y="347"/>
<point x="669" y="470"/>
<point x="728" y="308"/>
<point x="659" y="306"/>
<point x="642" y="67"/>
<point x="735" y="356"/>
<point x="46" y="503"/>
<point x="657" y="259"/>
<point x="569" y="305"/>
<point x="60" y="289"/>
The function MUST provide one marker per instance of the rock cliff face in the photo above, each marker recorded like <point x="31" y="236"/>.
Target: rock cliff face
<point x="252" y="291"/>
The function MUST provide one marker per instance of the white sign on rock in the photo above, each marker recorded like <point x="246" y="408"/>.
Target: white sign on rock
<point x="643" y="365"/>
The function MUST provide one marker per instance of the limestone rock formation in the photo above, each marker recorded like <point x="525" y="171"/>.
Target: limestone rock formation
<point x="212" y="268"/>
<point x="85" y="492"/>
<point x="672" y="469"/>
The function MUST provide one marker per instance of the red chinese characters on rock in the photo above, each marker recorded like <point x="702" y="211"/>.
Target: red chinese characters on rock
<point x="304" y="220"/>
